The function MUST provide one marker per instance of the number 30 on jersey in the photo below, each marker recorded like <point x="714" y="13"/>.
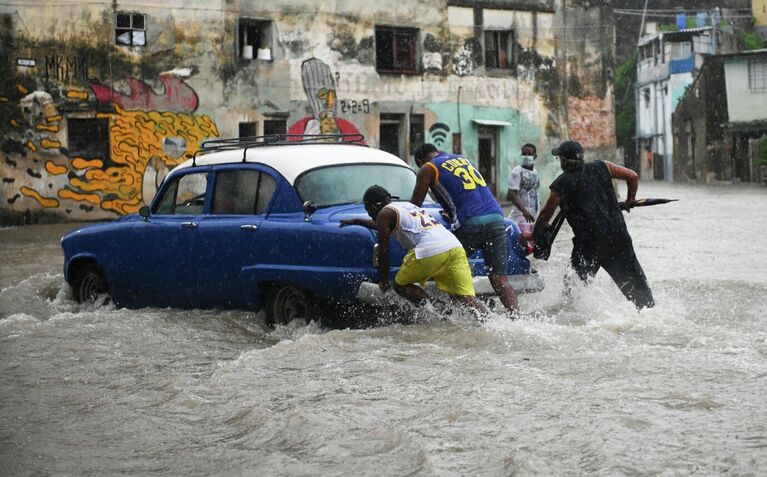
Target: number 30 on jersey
<point x="462" y="168"/>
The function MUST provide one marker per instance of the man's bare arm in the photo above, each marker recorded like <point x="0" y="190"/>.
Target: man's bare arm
<point x="631" y="178"/>
<point x="363" y="222"/>
<point x="545" y="215"/>
<point x="426" y="176"/>
<point x="385" y="223"/>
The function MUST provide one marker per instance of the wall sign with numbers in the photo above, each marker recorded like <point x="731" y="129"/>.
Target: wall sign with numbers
<point x="353" y="106"/>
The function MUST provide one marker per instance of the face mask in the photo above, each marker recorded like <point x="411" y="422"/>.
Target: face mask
<point x="528" y="160"/>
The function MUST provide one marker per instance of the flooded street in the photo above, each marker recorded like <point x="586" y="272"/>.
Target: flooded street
<point x="584" y="387"/>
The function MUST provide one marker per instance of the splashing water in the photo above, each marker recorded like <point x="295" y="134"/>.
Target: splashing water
<point x="579" y="386"/>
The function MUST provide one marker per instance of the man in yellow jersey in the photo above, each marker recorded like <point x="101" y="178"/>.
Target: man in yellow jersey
<point x="434" y="252"/>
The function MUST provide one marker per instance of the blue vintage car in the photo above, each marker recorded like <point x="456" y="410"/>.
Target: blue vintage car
<point x="254" y="224"/>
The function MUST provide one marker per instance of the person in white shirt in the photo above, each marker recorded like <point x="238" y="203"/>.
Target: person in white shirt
<point x="523" y="189"/>
<point x="433" y="251"/>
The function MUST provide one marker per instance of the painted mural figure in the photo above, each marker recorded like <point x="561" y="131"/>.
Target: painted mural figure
<point x="476" y="217"/>
<point x="320" y="89"/>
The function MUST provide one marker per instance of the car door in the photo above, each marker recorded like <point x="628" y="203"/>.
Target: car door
<point x="163" y="249"/>
<point x="229" y="237"/>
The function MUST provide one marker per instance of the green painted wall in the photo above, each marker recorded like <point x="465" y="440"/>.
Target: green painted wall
<point x="510" y="140"/>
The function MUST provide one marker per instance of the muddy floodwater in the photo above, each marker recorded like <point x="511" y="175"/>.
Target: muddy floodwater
<point x="588" y="386"/>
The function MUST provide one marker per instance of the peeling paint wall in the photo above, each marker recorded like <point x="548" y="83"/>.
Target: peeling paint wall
<point x="89" y="128"/>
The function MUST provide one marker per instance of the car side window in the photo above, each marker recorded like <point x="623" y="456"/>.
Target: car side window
<point x="243" y="192"/>
<point x="186" y="196"/>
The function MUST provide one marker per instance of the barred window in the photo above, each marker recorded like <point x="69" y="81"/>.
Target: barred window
<point x="757" y="76"/>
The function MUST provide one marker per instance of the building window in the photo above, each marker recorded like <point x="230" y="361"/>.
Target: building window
<point x="275" y="126"/>
<point x="130" y="29"/>
<point x="88" y="137"/>
<point x="681" y="51"/>
<point x="499" y="49"/>
<point x="247" y="129"/>
<point x="417" y="131"/>
<point x="395" y="49"/>
<point x="757" y="75"/>
<point x="646" y="97"/>
<point x="390" y="138"/>
<point x="254" y="39"/>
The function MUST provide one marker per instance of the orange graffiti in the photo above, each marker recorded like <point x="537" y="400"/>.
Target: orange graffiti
<point x="55" y="169"/>
<point x="44" y="201"/>
<point x="136" y="137"/>
<point x="31" y="146"/>
<point x="54" y="119"/>
<point x="15" y="123"/>
<point x="81" y="163"/>
<point x="72" y="94"/>
<point x="22" y="89"/>
<point x="45" y="127"/>
<point x="70" y="194"/>
<point x="48" y="144"/>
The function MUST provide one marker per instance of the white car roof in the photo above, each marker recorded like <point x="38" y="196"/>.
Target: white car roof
<point x="292" y="160"/>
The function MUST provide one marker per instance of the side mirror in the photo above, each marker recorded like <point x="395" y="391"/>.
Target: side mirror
<point x="144" y="212"/>
<point x="309" y="209"/>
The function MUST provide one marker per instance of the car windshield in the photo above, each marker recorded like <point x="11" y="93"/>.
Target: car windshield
<point x="345" y="184"/>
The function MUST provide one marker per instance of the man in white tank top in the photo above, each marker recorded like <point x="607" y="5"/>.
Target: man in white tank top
<point x="433" y="251"/>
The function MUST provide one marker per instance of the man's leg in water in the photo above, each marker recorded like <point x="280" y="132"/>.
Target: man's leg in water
<point x="411" y="292"/>
<point x="627" y="273"/>
<point x="585" y="265"/>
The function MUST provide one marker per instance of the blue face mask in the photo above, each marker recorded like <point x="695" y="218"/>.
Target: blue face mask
<point x="527" y="161"/>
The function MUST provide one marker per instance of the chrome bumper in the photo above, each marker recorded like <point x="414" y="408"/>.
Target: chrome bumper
<point x="371" y="294"/>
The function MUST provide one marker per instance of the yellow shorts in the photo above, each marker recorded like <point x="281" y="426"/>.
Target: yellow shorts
<point x="450" y="270"/>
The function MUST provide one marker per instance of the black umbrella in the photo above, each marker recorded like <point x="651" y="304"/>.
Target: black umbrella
<point x="545" y="238"/>
<point x="646" y="202"/>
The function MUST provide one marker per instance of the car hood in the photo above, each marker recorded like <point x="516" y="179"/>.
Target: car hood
<point x="338" y="213"/>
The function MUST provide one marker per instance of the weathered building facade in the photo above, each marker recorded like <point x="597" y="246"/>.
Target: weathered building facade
<point x="99" y="100"/>
<point x="720" y="125"/>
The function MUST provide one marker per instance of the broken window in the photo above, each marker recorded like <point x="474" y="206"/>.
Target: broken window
<point x="396" y="49"/>
<point x="499" y="48"/>
<point x="130" y="29"/>
<point x="88" y="137"/>
<point x="757" y="75"/>
<point x="254" y="39"/>
<point x="247" y="129"/>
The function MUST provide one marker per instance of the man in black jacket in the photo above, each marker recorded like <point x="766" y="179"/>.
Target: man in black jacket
<point x="585" y="192"/>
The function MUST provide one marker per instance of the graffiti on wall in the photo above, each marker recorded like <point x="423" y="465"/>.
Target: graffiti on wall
<point x="320" y="89"/>
<point x="176" y="96"/>
<point x="144" y="143"/>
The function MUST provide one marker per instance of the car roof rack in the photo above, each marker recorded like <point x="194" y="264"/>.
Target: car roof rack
<point x="245" y="143"/>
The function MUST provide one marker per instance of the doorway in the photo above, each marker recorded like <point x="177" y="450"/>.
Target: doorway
<point x="391" y="137"/>
<point x="488" y="155"/>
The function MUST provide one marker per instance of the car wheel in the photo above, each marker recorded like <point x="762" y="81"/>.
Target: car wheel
<point x="88" y="283"/>
<point x="287" y="303"/>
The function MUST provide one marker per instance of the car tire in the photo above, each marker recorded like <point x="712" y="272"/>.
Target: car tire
<point x="286" y="303"/>
<point x="88" y="283"/>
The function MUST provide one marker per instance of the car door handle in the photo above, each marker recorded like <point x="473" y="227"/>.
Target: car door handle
<point x="249" y="227"/>
<point x="189" y="225"/>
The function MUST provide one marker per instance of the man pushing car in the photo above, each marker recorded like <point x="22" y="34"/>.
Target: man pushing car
<point x="433" y="251"/>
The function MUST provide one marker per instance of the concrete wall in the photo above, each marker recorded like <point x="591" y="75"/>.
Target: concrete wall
<point x="743" y="104"/>
<point x="59" y="65"/>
